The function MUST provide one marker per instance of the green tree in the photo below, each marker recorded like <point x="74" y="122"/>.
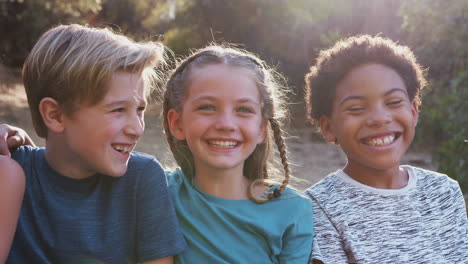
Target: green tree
<point x="141" y="19"/>
<point x="22" y="22"/>
<point x="438" y="32"/>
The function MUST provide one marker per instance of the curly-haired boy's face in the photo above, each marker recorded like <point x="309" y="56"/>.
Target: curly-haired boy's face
<point x="372" y="119"/>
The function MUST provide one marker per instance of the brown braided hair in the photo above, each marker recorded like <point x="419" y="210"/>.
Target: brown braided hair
<point x="272" y="103"/>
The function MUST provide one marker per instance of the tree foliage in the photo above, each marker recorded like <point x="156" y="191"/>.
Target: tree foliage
<point x="287" y="34"/>
<point x="22" y="22"/>
<point x="438" y="31"/>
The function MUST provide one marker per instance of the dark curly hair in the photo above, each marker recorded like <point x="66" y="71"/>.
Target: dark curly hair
<point x="334" y="63"/>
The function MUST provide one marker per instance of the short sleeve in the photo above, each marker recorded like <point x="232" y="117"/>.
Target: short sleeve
<point x="298" y="237"/>
<point x="159" y="234"/>
<point x="328" y="246"/>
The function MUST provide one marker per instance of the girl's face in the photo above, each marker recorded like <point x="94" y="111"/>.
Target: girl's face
<point x="372" y="119"/>
<point x="221" y="118"/>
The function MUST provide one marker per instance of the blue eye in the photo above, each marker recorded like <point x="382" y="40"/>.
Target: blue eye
<point x="118" y="110"/>
<point x="207" y="107"/>
<point x="245" y="110"/>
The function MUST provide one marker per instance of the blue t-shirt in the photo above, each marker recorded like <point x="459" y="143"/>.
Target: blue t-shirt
<point x="221" y="230"/>
<point x="99" y="219"/>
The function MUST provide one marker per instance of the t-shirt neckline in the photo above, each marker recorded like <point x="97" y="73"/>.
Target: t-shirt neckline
<point x="411" y="183"/>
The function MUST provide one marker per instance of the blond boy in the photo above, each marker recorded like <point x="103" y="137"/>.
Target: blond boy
<point x="88" y="197"/>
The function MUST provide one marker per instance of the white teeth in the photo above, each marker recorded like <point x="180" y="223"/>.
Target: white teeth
<point x="223" y="144"/>
<point x="387" y="140"/>
<point x="381" y="141"/>
<point x="122" y="149"/>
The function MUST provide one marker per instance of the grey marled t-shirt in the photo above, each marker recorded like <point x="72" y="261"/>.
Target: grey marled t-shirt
<point x="424" y="222"/>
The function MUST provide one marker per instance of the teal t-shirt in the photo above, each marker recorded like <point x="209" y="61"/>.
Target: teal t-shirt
<point x="219" y="230"/>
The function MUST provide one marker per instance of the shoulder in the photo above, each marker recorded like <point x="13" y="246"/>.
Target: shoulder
<point x="11" y="173"/>
<point x="9" y="166"/>
<point x="296" y="195"/>
<point x="430" y="181"/>
<point x="321" y="190"/>
<point x="24" y="153"/>
<point x="436" y="189"/>
<point x="294" y="201"/>
<point x="141" y="163"/>
<point x="138" y="159"/>
<point x="144" y="170"/>
<point x="31" y="159"/>
<point x="174" y="177"/>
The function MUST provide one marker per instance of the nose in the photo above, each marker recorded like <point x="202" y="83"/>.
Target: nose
<point x="379" y="116"/>
<point x="225" y="121"/>
<point x="135" y="126"/>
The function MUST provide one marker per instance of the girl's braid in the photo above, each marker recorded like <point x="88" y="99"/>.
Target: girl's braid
<point x="276" y="193"/>
<point x="275" y="126"/>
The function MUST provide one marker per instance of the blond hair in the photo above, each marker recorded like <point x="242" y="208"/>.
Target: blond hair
<point x="273" y="111"/>
<point x="74" y="64"/>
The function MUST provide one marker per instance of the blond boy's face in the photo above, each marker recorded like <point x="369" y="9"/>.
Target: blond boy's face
<point x="373" y="120"/>
<point x="99" y="138"/>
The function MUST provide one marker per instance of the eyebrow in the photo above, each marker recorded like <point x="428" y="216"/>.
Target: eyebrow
<point x="213" y="98"/>
<point x="122" y="102"/>
<point x="360" y="97"/>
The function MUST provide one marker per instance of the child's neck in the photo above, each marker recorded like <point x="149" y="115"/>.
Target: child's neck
<point x="58" y="160"/>
<point x="228" y="184"/>
<point x="392" y="178"/>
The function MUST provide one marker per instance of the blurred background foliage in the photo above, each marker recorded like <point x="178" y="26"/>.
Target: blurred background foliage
<point x="287" y="34"/>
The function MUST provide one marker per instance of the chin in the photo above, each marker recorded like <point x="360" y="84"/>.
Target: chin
<point x="116" y="173"/>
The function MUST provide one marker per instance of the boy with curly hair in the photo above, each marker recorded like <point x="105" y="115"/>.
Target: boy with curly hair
<point x="363" y="94"/>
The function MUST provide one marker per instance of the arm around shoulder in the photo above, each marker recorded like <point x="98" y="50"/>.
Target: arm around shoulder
<point x="12" y="185"/>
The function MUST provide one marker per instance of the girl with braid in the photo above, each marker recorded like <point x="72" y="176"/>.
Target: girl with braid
<point x="222" y="112"/>
<point x="221" y="107"/>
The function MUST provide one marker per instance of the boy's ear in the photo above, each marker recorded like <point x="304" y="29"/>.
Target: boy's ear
<point x="326" y="129"/>
<point x="415" y="112"/>
<point x="52" y="114"/>
<point x="174" y="119"/>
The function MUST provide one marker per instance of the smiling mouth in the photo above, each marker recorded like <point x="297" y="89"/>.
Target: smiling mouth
<point x="223" y="144"/>
<point x="122" y="148"/>
<point x="382" y="140"/>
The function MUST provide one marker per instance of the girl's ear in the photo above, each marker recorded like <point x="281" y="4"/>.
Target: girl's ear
<point x="52" y="114"/>
<point x="326" y="129"/>
<point x="174" y="119"/>
<point x="262" y="132"/>
<point x="415" y="112"/>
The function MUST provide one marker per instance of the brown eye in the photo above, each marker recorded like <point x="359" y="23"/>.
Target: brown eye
<point x="355" y="109"/>
<point x="395" y="102"/>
